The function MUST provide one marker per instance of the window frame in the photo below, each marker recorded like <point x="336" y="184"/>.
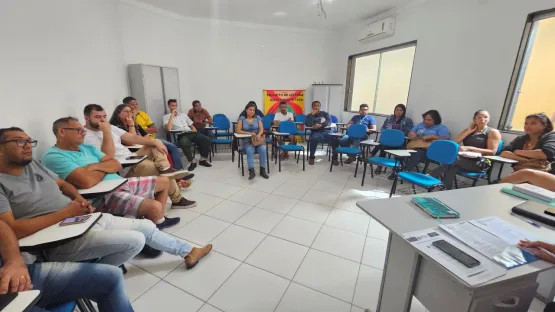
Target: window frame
<point x="351" y="74"/>
<point x="519" y="68"/>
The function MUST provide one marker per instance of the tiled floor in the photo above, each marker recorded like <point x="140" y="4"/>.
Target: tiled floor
<point x="295" y="242"/>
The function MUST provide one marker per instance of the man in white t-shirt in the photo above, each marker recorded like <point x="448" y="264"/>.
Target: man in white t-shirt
<point x="284" y="115"/>
<point x="175" y="121"/>
<point x="109" y="139"/>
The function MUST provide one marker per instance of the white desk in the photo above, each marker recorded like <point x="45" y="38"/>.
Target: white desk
<point x="370" y="142"/>
<point x="56" y="234"/>
<point x="501" y="159"/>
<point x="407" y="272"/>
<point x="103" y="187"/>
<point x="131" y="162"/>
<point x="242" y="136"/>
<point x="339" y="135"/>
<point x="135" y="147"/>
<point x="23" y="301"/>
<point x="401" y="153"/>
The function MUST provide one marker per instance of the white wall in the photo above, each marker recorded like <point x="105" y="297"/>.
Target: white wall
<point x="464" y="57"/>
<point x="56" y="57"/>
<point x="225" y="64"/>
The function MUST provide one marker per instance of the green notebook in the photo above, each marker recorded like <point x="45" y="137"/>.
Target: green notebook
<point x="509" y="190"/>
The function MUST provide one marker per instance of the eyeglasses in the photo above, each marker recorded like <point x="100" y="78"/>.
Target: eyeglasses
<point x="22" y="142"/>
<point x="78" y="130"/>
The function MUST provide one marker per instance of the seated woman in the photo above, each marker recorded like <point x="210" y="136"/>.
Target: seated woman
<point x="122" y="117"/>
<point x="398" y="120"/>
<point x="477" y="138"/>
<point x="423" y="134"/>
<point x="250" y="123"/>
<point x="536" y="148"/>
<point x="535" y="177"/>
<point x="259" y="113"/>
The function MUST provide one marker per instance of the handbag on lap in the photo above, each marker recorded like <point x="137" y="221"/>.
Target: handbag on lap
<point x="258" y="140"/>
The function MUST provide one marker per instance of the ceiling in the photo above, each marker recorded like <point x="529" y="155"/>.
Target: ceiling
<point x="292" y="13"/>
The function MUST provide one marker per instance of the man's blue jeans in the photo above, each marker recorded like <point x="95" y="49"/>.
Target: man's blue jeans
<point x="174" y="154"/>
<point x="315" y="139"/>
<point x="61" y="282"/>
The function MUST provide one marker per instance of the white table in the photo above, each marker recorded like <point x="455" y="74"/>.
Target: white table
<point x="135" y="147"/>
<point x="56" y="234"/>
<point x="23" y="301"/>
<point x="103" y="187"/>
<point x="408" y="272"/>
<point x="131" y="162"/>
<point x="400" y="152"/>
<point x="502" y="161"/>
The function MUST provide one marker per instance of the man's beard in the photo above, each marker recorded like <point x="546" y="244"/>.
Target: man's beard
<point x="94" y="125"/>
<point x="22" y="163"/>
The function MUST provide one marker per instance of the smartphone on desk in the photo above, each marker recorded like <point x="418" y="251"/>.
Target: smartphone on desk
<point x="456" y="253"/>
<point x="75" y="220"/>
<point x="134" y="157"/>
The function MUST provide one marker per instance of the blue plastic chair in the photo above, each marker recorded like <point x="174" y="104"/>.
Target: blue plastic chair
<point x="475" y="176"/>
<point x="222" y="125"/>
<point x="217" y="116"/>
<point x="290" y="128"/>
<point x="301" y="118"/>
<point x="267" y="122"/>
<point x="65" y="307"/>
<point x="393" y="139"/>
<point x="271" y="117"/>
<point x="334" y="119"/>
<point x="444" y="152"/>
<point x="357" y="132"/>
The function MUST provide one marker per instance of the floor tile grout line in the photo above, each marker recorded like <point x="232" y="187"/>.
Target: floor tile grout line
<point x="360" y="264"/>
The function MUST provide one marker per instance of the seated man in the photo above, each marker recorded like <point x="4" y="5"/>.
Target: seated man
<point x="142" y="119"/>
<point x="60" y="282"/>
<point x="361" y="119"/>
<point x="174" y="121"/>
<point x="542" y="179"/>
<point x="84" y="166"/>
<point x="284" y="115"/>
<point x="109" y="140"/>
<point x="33" y="198"/>
<point x="200" y="117"/>
<point x="318" y="120"/>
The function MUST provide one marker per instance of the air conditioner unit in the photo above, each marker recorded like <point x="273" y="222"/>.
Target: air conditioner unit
<point x="378" y="30"/>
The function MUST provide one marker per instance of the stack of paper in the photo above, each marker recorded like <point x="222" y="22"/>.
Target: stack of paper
<point x="484" y="272"/>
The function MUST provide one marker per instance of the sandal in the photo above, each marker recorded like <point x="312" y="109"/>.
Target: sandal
<point x="185" y="184"/>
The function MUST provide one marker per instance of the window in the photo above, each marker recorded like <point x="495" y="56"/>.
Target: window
<point x="532" y="87"/>
<point x="380" y="78"/>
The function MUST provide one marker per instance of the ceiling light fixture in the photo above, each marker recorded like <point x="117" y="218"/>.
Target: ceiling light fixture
<point x="280" y="13"/>
<point x="321" y="12"/>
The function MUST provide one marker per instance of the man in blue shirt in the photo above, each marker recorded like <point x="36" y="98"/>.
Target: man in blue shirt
<point x="318" y="121"/>
<point x="361" y="119"/>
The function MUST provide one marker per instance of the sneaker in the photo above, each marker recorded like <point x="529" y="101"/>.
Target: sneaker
<point x="173" y="173"/>
<point x="192" y="166"/>
<point x="195" y="255"/>
<point x="335" y="162"/>
<point x="378" y="170"/>
<point x="391" y="177"/>
<point x="184" y="204"/>
<point x="150" y="252"/>
<point x="311" y="161"/>
<point x="205" y="163"/>
<point x="168" y="223"/>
